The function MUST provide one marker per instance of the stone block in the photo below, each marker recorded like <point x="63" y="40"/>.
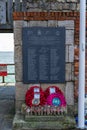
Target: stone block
<point x="18" y="24"/>
<point x="67" y="54"/>
<point x="17" y="36"/>
<point x="21" y="90"/>
<point x="28" y="24"/>
<point x="71" y="53"/>
<point x="54" y="5"/>
<point x="44" y="5"/>
<point x="30" y="85"/>
<point x="68" y="72"/>
<point x="18" y="54"/>
<point x="73" y="77"/>
<point x="32" y="5"/>
<point x="52" y="23"/>
<point x="60" y="6"/>
<point x="72" y="1"/>
<point x="61" y="1"/>
<point x="38" y="23"/>
<point x="69" y="37"/>
<point x="25" y="24"/>
<point x="68" y="24"/>
<point x="78" y="7"/>
<point x="18" y="72"/>
<point x="60" y="122"/>
<point x="18" y="105"/>
<point x="66" y="6"/>
<point x="69" y="93"/>
<point x="73" y="6"/>
<point x="34" y="10"/>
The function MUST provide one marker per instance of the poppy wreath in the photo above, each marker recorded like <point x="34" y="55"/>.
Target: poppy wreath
<point x="30" y="96"/>
<point x="55" y="99"/>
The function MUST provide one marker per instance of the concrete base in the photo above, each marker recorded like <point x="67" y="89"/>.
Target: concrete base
<point x="43" y="122"/>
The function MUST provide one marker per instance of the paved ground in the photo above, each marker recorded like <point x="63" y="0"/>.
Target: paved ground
<point x="7" y="105"/>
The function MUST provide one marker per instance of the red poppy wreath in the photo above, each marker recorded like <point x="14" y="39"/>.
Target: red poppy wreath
<point x="35" y="96"/>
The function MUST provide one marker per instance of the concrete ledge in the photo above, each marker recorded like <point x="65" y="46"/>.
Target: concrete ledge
<point x="43" y="123"/>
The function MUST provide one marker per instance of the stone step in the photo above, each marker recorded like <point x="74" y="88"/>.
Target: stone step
<point x="44" y="118"/>
<point x="41" y="123"/>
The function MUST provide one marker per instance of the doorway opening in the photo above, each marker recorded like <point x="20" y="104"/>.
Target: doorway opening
<point x="7" y="58"/>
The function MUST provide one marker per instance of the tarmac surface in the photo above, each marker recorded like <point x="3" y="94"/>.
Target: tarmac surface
<point x="7" y="107"/>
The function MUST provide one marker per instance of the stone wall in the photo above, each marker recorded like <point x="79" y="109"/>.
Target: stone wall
<point x="21" y="21"/>
<point x="51" y="5"/>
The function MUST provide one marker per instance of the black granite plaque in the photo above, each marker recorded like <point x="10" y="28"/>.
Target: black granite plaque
<point x="43" y="54"/>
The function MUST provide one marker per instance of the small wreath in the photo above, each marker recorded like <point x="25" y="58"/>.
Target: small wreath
<point x="56" y="98"/>
<point x="29" y="97"/>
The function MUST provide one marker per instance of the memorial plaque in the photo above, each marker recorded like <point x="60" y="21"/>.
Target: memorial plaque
<point x="43" y="54"/>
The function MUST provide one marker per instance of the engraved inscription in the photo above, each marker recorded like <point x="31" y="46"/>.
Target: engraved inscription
<point x="43" y="55"/>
